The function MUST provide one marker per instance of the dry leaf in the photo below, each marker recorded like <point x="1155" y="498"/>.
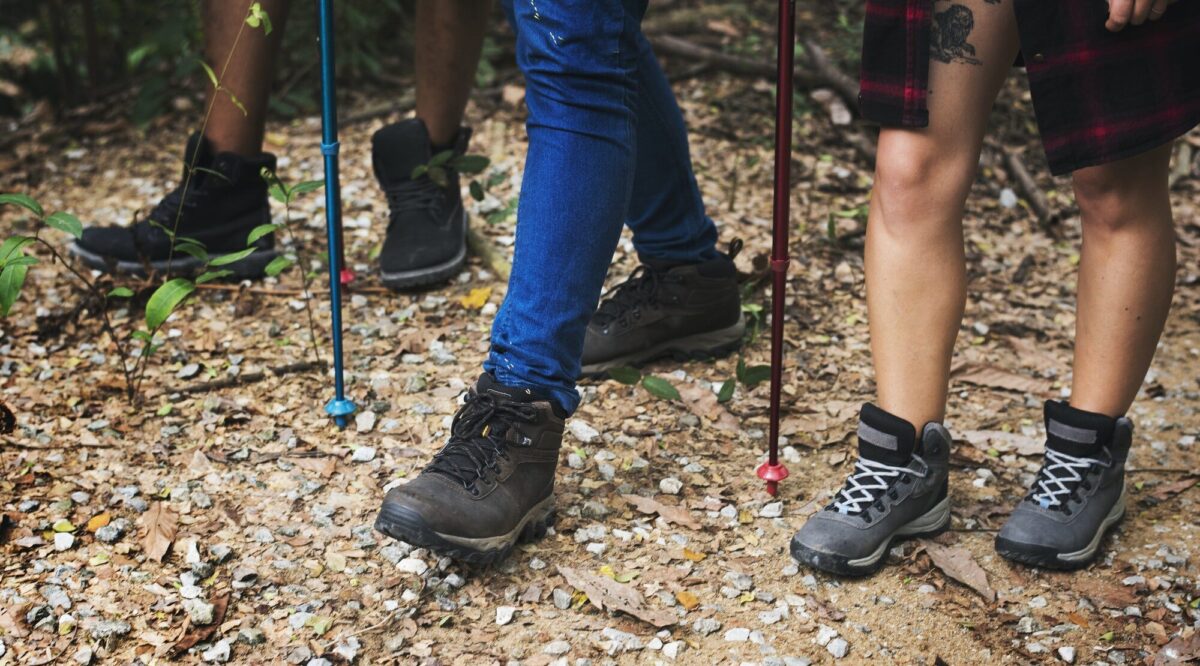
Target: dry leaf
<point x="688" y="600"/>
<point x="993" y="377"/>
<point x="476" y="299"/>
<point x="608" y="594"/>
<point x="703" y="403"/>
<point x="200" y="633"/>
<point x="671" y="514"/>
<point x="99" y="520"/>
<point x="159" y="524"/>
<point x="1004" y="442"/>
<point x="958" y="564"/>
<point x="1179" y="651"/>
<point x="324" y="466"/>
<point x="1166" y="491"/>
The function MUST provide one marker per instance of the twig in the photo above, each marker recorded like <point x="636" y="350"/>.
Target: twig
<point x="842" y="83"/>
<point x="1029" y="187"/>
<point x="406" y="102"/>
<point x="60" y="444"/>
<point x="251" y="377"/>
<point x="269" y="291"/>
<point x="492" y="256"/>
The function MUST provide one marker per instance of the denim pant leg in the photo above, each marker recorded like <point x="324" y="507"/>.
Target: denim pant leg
<point x="666" y="212"/>
<point x="580" y="60"/>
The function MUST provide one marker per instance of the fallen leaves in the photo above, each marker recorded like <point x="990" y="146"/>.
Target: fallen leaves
<point x="607" y="594"/>
<point x="957" y="563"/>
<point x="99" y="520"/>
<point x="476" y="299"/>
<point x="1004" y="442"/>
<point x="672" y="514"/>
<point x="159" y="524"/>
<point x="1166" y="491"/>
<point x="198" y="633"/>
<point x="1179" y="651"/>
<point x="990" y="376"/>
<point x="704" y="404"/>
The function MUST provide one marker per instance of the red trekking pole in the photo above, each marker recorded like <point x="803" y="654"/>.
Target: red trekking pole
<point x="773" y="471"/>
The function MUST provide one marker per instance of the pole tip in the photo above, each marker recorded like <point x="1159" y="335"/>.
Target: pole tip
<point x="346" y="276"/>
<point x="772" y="474"/>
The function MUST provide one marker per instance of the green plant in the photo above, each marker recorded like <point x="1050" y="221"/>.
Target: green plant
<point x="440" y="166"/>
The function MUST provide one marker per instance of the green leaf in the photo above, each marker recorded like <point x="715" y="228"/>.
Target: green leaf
<point x="307" y="186"/>
<point x="164" y="410"/>
<point x="193" y="249"/>
<point x="419" y="170"/>
<point x="24" y="201"/>
<point x="625" y="375"/>
<point x="120" y="292"/>
<point x="22" y="260"/>
<point x="165" y="299"/>
<point x="12" y="278"/>
<point x="439" y="176"/>
<point x="236" y="102"/>
<point x="476" y="190"/>
<point x="209" y="276"/>
<point x="660" y="388"/>
<point x="212" y="172"/>
<point x="258" y="16"/>
<point x="66" y="222"/>
<point x="212" y="76"/>
<point x="751" y="376"/>
<point x="232" y="257"/>
<point x="278" y="265"/>
<point x="470" y="163"/>
<point x="441" y="158"/>
<point x="144" y="336"/>
<point x="12" y="248"/>
<point x="278" y="193"/>
<point x="725" y="393"/>
<point x="260" y="231"/>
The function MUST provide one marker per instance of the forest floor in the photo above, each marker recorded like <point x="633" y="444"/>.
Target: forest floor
<point x="268" y="507"/>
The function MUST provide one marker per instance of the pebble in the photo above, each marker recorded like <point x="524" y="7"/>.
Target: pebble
<point x="772" y="510"/>
<point x="363" y="453"/>
<point x="557" y="648"/>
<point x="63" y="541"/>
<point x="1037" y="602"/>
<point x="348" y="648"/>
<point x="188" y="371"/>
<point x="105" y="629"/>
<point x="504" y="615"/>
<point x="926" y="589"/>
<point x="84" y="656"/>
<point x="1008" y="198"/>
<point x="56" y="596"/>
<point x="1025" y="625"/>
<point x="199" y="611"/>
<point x="365" y="421"/>
<point x="1067" y="654"/>
<point x="575" y="461"/>
<point x="671" y="650"/>
<point x="670" y="485"/>
<point x="825" y="634"/>
<point x="737" y="635"/>
<point x="621" y="641"/>
<point x="838" y="647"/>
<point x="741" y="581"/>
<point x="706" y="625"/>
<point x="412" y="565"/>
<point x="251" y="636"/>
<point x="219" y="652"/>
<point x="582" y="431"/>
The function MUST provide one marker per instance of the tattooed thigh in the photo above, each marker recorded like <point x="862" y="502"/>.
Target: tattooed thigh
<point x="950" y="35"/>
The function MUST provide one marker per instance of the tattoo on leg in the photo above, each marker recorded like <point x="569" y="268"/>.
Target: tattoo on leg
<point x="948" y="38"/>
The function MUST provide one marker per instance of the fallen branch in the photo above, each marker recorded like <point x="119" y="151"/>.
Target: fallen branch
<point x="1029" y="187"/>
<point x="492" y="256"/>
<point x="844" y="84"/>
<point x="252" y="377"/>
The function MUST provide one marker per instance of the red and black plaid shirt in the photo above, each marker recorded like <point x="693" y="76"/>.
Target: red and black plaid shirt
<point x="1099" y="96"/>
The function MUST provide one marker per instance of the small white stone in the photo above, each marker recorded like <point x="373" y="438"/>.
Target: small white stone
<point x="825" y="634"/>
<point x="1008" y="198"/>
<point x="772" y="510"/>
<point x="365" y="421"/>
<point x="363" y="454"/>
<point x="838" y="647"/>
<point x="737" y="635"/>
<point x="1067" y="654"/>
<point x="219" y="652"/>
<point x="412" y="565"/>
<point x="504" y="615"/>
<point x="582" y="431"/>
<point x="63" y="541"/>
<point x="670" y="485"/>
<point x="1037" y="602"/>
<point x="557" y="648"/>
<point x="671" y="650"/>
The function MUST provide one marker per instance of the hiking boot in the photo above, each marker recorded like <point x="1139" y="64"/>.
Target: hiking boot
<point x="491" y="486"/>
<point x="1077" y="496"/>
<point x="427" y="225"/>
<point x="683" y="311"/>
<point x="898" y="489"/>
<point x="225" y="200"/>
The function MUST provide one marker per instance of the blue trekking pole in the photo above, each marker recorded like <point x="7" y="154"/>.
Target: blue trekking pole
<point x="339" y="407"/>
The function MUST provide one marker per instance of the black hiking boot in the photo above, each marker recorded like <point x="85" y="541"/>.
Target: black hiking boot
<point x="427" y="224"/>
<point x="688" y="311"/>
<point x="1078" y="495"/>
<point x="490" y="486"/>
<point x="225" y="200"/>
<point x="898" y="490"/>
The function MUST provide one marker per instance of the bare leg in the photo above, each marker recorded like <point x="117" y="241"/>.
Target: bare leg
<point x="448" y="43"/>
<point x="915" y="266"/>
<point x="248" y="75"/>
<point x="1126" y="278"/>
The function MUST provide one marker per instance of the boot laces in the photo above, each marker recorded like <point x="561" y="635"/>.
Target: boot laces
<point x="480" y="435"/>
<point x="421" y="194"/>
<point x="868" y="483"/>
<point x="627" y="297"/>
<point x="1060" y="478"/>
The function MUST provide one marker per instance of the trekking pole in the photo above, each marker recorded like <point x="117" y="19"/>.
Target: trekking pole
<point x="772" y="471"/>
<point x="339" y="407"/>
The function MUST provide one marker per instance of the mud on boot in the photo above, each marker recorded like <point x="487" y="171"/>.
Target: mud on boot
<point x="225" y="199"/>
<point x="492" y="484"/>
<point x="665" y="310"/>
<point x="1077" y="496"/>
<point x="898" y="490"/>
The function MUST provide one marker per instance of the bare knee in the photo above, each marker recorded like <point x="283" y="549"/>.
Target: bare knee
<point x="1115" y="197"/>
<point x="920" y="187"/>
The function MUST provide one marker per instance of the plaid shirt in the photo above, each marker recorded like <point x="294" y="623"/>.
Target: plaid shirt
<point x="1099" y="96"/>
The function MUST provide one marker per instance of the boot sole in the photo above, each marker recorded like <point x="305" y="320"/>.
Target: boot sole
<point x="428" y="275"/>
<point x="1046" y="557"/>
<point x="696" y="347"/>
<point x="929" y="524"/>
<point x="400" y="522"/>
<point x="252" y="267"/>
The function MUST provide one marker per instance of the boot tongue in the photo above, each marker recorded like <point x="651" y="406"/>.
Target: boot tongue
<point x="885" y="438"/>
<point x="1076" y="432"/>
<point x="399" y="148"/>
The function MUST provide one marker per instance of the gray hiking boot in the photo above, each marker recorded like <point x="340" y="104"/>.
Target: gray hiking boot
<point x="490" y="486"/>
<point x="688" y="311"/>
<point x="898" y="489"/>
<point x="1078" y="495"/>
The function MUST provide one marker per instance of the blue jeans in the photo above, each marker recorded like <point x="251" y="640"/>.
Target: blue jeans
<point x="607" y="146"/>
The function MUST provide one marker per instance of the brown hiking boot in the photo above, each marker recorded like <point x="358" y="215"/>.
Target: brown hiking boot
<point x="490" y="486"/>
<point x="682" y="311"/>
